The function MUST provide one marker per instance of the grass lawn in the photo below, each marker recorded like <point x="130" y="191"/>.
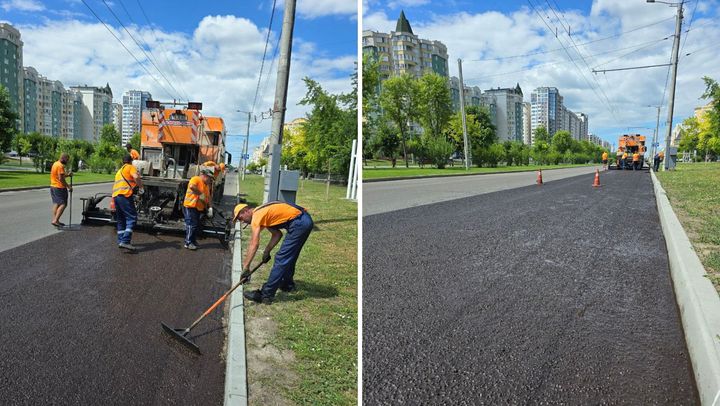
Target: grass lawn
<point x="318" y="323"/>
<point x="401" y="171"/>
<point x="694" y="191"/>
<point x="16" y="179"/>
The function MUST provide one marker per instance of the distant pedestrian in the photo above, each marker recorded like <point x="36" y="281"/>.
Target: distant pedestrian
<point x="133" y="153"/>
<point x="59" y="189"/>
<point x="605" y="160"/>
<point x="197" y="201"/>
<point x="656" y="162"/>
<point x="275" y="216"/>
<point x="127" y="182"/>
<point x="636" y="161"/>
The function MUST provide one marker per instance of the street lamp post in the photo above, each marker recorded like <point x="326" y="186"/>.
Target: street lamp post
<point x="673" y="65"/>
<point x="246" y="144"/>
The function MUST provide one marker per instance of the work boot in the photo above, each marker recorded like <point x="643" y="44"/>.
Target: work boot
<point x="191" y="246"/>
<point x="288" y="288"/>
<point x="127" y="246"/>
<point x="257" y="297"/>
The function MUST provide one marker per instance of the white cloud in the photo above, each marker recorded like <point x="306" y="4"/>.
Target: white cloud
<point x="407" y="3"/>
<point x="217" y="64"/>
<point x="489" y="35"/>
<point x="22" y="5"/>
<point x="320" y="8"/>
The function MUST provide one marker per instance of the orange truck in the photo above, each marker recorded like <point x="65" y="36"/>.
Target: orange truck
<point x="176" y="143"/>
<point x="630" y="144"/>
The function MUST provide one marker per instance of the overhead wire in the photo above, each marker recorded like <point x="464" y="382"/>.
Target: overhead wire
<point x="125" y="47"/>
<point x="262" y="64"/>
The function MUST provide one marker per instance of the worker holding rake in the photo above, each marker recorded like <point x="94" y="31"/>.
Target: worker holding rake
<point x="275" y="216"/>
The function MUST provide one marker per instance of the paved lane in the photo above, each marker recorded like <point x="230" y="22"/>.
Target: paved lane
<point x="527" y="296"/>
<point x="382" y="197"/>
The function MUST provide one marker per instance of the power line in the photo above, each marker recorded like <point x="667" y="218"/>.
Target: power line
<point x="163" y="51"/>
<point x="126" y="48"/>
<point x="262" y="64"/>
<point x="692" y="17"/>
<point x="142" y="49"/>
<point x="583" y="43"/>
<point x="653" y="43"/>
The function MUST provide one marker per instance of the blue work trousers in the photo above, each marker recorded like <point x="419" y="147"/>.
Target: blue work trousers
<point x="192" y="224"/>
<point x="281" y="275"/>
<point x="126" y="216"/>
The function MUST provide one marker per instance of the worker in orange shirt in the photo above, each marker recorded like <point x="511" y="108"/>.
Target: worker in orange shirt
<point x="661" y="157"/>
<point x="133" y="153"/>
<point x="215" y="166"/>
<point x="59" y="189"/>
<point x="197" y="201"/>
<point x="624" y="160"/>
<point x="636" y="161"/>
<point x="605" y="160"/>
<point x="222" y="167"/>
<point x="274" y="216"/>
<point x="127" y="183"/>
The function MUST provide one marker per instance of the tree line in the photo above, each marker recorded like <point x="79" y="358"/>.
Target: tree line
<point x="392" y="108"/>
<point x="703" y="135"/>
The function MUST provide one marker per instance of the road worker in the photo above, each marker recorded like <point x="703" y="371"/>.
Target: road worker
<point x="197" y="201"/>
<point x="661" y="155"/>
<point x="605" y="160"/>
<point x="636" y="161"/>
<point x="618" y="157"/>
<point x="222" y="167"/>
<point x="274" y="216"/>
<point x="133" y="153"/>
<point x="624" y="160"/>
<point x="215" y="166"/>
<point x="127" y="183"/>
<point x="59" y="189"/>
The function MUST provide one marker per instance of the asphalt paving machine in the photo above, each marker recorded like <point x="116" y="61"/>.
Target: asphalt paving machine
<point x="630" y="144"/>
<point x="176" y="143"/>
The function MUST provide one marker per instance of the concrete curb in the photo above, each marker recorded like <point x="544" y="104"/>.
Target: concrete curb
<point x="18" y="189"/>
<point x="697" y="300"/>
<point x="464" y="174"/>
<point x="236" y="365"/>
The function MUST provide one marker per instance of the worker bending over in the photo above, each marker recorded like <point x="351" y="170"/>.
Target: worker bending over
<point x="59" y="189"/>
<point x="197" y="201"/>
<point x="133" y="153"/>
<point x="275" y="216"/>
<point x="636" y="161"/>
<point x="127" y="183"/>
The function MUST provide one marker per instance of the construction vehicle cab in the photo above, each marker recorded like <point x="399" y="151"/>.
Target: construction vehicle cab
<point x="175" y="144"/>
<point x="630" y="144"/>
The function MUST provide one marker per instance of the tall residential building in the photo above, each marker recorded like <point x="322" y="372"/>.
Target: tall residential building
<point x="95" y="111"/>
<point x="30" y="104"/>
<point x="547" y="110"/>
<point x="509" y="113"/>
<point x="70" y="100"/>
<point x="583" y="125"/>
<point x="11" y="68"/>
<point x="527" y="127"/>
<point x="133" y="103"/>
<point x="117" y="116"/>
<point x="49" y="107"/>
<point x="473" y="97"/>
<point x="401" y="51"/>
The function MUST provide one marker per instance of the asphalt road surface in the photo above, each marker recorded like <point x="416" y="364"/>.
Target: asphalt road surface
<point x="554" y="294"/>
<point x="81" y="320"/>
<point x="27" y="214"/>
<point x="382" y="197"/>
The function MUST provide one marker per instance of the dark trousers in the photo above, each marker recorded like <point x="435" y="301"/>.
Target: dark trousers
<point x="636" y="165"/>
<point x="281" y="275"/>
<point x="656" y="164"/>
<point x="192" y="224"/>
<point x="126" y="217"/>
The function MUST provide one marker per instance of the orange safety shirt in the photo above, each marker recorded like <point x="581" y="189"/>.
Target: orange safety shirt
<point x="624" y="156"/>
<point x="273" y="215"/>
<point x="124" y="181"/>
<point x="636" y="157"/>
<point x="216" y="169"/>
<point x="57" y="169"/>
<point x="662" y="155"/>
<point x="192" y="200"/>
<point x="605" y="156"/>
<point x="134" y="154"/>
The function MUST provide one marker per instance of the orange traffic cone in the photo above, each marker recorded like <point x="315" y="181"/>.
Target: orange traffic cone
<point x="596" y="182"/>
<point x="539" y="178"/>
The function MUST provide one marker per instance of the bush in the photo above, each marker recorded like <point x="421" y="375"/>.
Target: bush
<point x="437" y="150"/>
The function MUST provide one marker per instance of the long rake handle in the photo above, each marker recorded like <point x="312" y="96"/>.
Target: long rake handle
<point x="222" y="299"/>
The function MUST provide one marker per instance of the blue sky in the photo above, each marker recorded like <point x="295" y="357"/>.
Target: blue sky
<point x="209" y="51"/>
<point x="481" y="32"/>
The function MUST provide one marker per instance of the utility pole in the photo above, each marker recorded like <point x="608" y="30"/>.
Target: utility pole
<point x="462" y="113"/>
<point x="657" y="131"/>
<point x="272" y="179"/>
<point x="671" y="99"/>
<point x="244" y="157"/>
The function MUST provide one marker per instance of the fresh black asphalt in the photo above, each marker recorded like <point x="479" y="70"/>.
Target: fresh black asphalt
<point x="553" y="294"/>
<point x="81" y="320"/>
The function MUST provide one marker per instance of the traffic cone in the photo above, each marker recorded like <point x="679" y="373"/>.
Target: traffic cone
<point x="539" y="178"/>
<point x="596" y="182"/>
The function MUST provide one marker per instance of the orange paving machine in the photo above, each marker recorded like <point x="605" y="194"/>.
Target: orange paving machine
<point x="630" y="144"/>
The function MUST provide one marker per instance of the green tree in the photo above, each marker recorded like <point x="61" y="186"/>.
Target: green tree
<point x="371" y="108"/>
<point x="541" y="134"/>
<point x="709" y="140"/>
<point x="481" y="115"/>
<point x="135" y="141"/>
<point x="454" y="131"/>
<point x="562" y="141"/>
<point x="110" y="135"/>
<point x="8" y="121"/>
<point x="689" y="135"/>
<point x="434" y="104"/>
<point x="21" y="143"/>
<point x="398" y="100"/>
<point x="386" y="142"/>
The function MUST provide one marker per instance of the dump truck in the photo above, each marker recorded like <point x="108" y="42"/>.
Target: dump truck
<point x="176" y="143"/>
<point x="630" y="144"/>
